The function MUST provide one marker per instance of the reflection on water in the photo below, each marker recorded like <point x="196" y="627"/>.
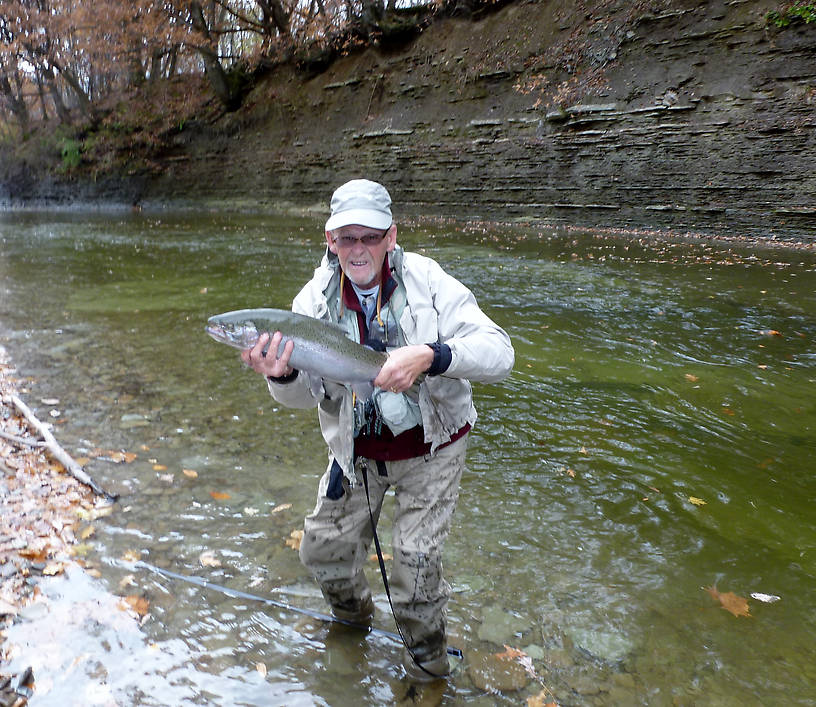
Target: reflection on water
<point x="647" y="374"/>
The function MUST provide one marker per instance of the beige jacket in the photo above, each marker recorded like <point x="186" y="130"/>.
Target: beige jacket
<point x="439" y="308"/>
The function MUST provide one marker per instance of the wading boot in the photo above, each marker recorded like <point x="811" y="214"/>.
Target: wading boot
<point x="357" y="612"/>
<point x="426" y="665"/>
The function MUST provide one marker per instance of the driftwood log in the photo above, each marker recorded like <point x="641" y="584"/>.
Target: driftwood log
<point x="22" y="441"/>
<point x="50" y="442"/>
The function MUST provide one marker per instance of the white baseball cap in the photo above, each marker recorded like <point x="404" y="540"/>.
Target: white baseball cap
<point x="361" y="202"/>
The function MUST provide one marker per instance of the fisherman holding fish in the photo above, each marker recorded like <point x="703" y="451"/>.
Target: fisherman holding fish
<point x="410" y="433"/>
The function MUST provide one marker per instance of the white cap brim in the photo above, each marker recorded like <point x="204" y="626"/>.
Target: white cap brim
<point x="359" y="217"/>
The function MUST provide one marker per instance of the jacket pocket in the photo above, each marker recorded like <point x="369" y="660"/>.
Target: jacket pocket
<point x="420" y="325"/>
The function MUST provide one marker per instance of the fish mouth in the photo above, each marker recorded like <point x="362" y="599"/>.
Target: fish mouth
<point x="215" y="332"/>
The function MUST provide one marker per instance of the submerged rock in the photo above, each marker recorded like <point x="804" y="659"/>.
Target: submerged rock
<point x="607" y="646"/>
<point x="131" y="420"/>
<point x="499" y="626"/>
<point x="492" y="673"/>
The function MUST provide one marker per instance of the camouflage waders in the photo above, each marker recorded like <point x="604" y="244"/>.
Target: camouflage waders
<point x="337" y="536"/>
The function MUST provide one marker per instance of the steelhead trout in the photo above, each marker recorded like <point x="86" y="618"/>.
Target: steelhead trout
<point x="321" y="348"/>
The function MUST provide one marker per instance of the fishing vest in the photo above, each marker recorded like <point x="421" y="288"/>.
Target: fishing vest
<point x="400" y="411"/>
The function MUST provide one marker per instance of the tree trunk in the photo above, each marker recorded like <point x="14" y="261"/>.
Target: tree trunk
<point x="155" y="65"/>
<point x="275" y="10"/>
<point x="83" y="100"/>
<point x="16" y="101"/>
<point x="212" y="65"/>
<point x="41" y="92"/>
<point x="63" y="113"/>
<point x="170" y="65"/>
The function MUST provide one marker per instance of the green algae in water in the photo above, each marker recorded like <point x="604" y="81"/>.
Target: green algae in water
<point x="642" y="378"/>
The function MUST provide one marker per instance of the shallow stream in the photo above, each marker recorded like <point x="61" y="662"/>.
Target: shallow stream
<point x="657" y="437"/>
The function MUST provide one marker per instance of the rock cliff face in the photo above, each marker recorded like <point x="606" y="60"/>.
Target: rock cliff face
<point x="672" y="114"/>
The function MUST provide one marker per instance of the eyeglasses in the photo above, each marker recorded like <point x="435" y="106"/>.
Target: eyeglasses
<point x="367" y="240"/>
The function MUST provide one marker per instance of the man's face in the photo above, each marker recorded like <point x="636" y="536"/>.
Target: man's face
<point x="361" y="251"/>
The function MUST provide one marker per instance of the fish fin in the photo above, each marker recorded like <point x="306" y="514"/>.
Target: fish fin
<point x="363" y="389"/>
<point x="316" y="386"/>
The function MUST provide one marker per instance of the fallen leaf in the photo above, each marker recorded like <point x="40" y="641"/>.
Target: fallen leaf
<point x="542" y="699"/>
<point x="261" y="668"/>
<point x="131" y="556"/>
<point x="510" y="653"/>
<point x="730" y="602"/>
<point x="519" y="657"/>
<point x="87" y="532"/>
<point x="571" y="473"/>
<point x="691" y="377"/>
<point x="727" y="411"/>
<point x="583" y="450"/>
<point x="386" y="557"/>
<point x="93" y="513"/>
<point x="294" y="539"/>
<point x="208" y="559"/>
<point x="219" y="495"/>
<point x="53" y="568"/>
<point x="190" y="473"/>
<point x="281" y="507"/>
<point x="696" y="501"/>
<point x="770" y="332"/>
<point x="159" y="467"/>
<point x="139" y="604"/>
<point x="80" y="549"/>
<point x="35" y="554"/>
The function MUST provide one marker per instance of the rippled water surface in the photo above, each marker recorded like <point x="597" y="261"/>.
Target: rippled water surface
<point x="657" y="437"/>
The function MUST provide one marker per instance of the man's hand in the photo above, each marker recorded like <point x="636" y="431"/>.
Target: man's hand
<point x="403" y="366"/>
<point x="269" y="365"/>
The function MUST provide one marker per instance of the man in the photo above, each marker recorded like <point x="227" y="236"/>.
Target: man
<point x="410" y="434"/>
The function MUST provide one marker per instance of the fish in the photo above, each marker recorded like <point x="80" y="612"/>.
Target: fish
<point x="322" y="348"/>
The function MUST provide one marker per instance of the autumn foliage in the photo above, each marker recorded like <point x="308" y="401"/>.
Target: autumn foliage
<point x="62" y="58"/>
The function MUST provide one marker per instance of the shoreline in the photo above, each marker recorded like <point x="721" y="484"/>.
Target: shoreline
<point x="789" y="240"/>
<point x="40" y="526"/>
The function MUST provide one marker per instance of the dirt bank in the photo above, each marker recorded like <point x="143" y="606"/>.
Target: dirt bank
<point x="666" y="114"/>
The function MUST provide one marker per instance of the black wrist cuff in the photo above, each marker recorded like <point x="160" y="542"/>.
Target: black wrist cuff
<point x="284" y="379"/>
<point x="441" y="360"/>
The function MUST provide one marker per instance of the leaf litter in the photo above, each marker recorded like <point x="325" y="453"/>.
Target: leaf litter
<point x="44" y="514"/>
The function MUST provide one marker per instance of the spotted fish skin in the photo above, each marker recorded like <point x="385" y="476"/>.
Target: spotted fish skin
<point x="321" y="348"/>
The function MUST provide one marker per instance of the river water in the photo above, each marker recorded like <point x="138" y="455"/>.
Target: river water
<point x="657" y="437"/>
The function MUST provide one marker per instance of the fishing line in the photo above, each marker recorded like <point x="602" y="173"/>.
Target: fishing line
<point x="238" y="594"/>
<point x="364" y="472"/>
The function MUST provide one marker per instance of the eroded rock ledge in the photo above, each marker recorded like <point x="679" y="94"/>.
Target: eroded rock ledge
<point x="696" y="117"/>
